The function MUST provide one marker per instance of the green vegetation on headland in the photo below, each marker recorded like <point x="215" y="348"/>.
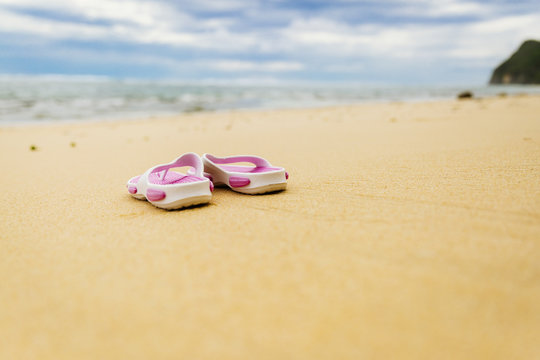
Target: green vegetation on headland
<point x="523" y="67"/>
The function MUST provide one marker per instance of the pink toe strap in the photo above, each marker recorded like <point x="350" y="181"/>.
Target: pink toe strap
<point x="188" y="159"/>
<point x="257" y="161"/>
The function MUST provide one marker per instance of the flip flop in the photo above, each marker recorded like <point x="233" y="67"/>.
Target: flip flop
<point x="259" y="179"/>
<point x="170" y="189"/>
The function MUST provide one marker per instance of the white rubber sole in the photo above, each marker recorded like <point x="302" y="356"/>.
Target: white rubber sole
<point x="138" y="196"/>
<point x="260" y="183"/>
<point x="183" y="203"/>
<point x="178" y="204"/>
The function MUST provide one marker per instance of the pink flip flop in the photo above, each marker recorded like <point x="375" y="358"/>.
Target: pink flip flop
<point x="170" y="189"/>
<point x="258" y="179"/>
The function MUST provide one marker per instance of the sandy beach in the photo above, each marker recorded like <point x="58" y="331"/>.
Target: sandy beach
<point x="408" y="231"/>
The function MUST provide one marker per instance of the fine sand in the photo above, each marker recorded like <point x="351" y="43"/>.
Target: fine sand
<point x="408" y="231"/>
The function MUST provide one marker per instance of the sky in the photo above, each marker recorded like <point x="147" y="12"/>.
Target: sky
<point x="370" y="42"/>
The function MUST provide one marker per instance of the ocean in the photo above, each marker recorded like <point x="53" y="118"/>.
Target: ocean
<point x="39" y="99"/>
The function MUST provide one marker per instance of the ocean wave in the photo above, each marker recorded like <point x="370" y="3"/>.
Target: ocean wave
<point x="26" y="98"/>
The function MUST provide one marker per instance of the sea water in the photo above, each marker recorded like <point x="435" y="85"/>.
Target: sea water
<point x="34" y="99"/>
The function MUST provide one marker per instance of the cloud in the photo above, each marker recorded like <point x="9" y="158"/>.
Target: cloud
<point x="442" y="8"/>
<point x="143" y="13"/>
<point x="135" y="29"/>
<point x="481" y="39"/>
<point x="312" y="38"/>
<point x="271" y="66"/>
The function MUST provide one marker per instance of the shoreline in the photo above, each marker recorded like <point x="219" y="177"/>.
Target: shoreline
<point x="226" y="112"/>
<point x="90" y="101"/>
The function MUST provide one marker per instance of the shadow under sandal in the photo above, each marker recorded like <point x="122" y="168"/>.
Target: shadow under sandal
<point x="258" y="179"/>
<point x="171" y="189"/>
